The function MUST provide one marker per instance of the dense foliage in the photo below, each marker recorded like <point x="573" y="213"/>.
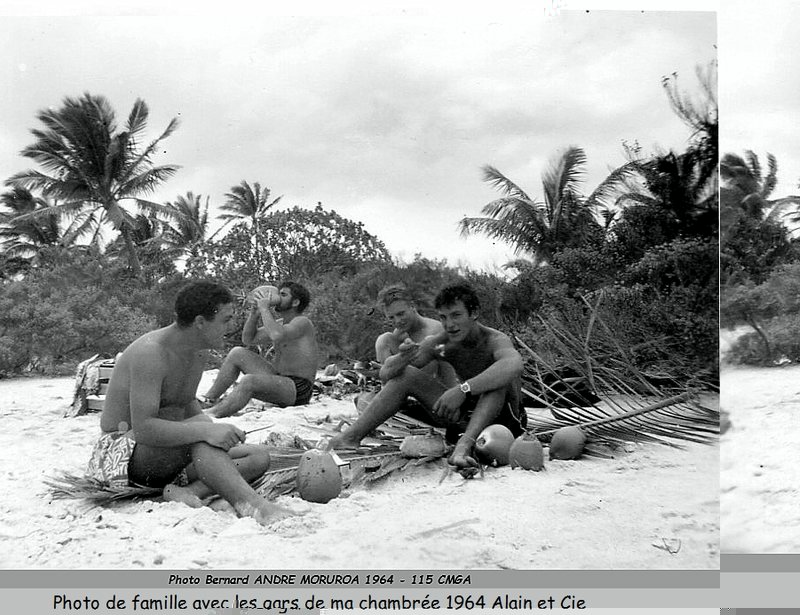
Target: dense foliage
<point x="633" y="262"/>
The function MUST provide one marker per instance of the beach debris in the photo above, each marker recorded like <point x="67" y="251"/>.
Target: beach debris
<point x="318" y="477"/>
<point x="526" y="452"/>
<point x="493" y="445"/>
<point x="421" y="446"/>
<point x="567" y="443"/>
<point x="671" y="546"/>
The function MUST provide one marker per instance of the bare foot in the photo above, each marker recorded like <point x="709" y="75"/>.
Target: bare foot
<point x="264" y="512"/>
<point x="173" y="493"/>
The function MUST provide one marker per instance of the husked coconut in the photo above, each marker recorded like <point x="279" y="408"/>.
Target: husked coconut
<point x="493" y="444"/>
<point x="567" y="443"/>
<point x="318" y="477"/>
<point x="527" y="453"/>
<point x="425" y="445"/>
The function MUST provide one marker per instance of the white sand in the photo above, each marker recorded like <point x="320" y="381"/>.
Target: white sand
<point x="760" y="503"/>
<point x="591" y="513"/>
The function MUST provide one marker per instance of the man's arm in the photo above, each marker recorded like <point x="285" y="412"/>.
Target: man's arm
<point x="250" y="328"/>
<point x="147" y="376"/>
<point x="416" y="355"/>
<point x="506" y="367"/>
<point x="276" y="330"/>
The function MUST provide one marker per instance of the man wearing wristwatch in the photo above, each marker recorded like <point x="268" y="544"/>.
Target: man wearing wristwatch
<point x="482" y="388"/>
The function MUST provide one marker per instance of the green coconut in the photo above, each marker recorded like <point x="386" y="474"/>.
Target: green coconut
<point x="567" y="443"/>
<point x="420" y="446"/>
<point x="318" y="477"/>
<point x="527" y="453"/>
<point x="493" y="445"/>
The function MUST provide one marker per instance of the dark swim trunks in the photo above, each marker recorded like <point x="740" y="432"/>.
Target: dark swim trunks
<point x="303" y="390"/>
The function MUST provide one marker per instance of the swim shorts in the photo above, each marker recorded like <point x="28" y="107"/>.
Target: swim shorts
<point x="303" y="389"/>
<point x="110" y="458"/>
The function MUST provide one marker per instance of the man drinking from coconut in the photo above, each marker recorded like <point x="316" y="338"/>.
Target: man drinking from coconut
<point x="154" y="433"/>
<point x="287" y="380"/>
<point x="482" y="388"/>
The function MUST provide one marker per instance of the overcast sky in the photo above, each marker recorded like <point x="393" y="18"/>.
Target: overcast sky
<point x="386" y="119"/>
<point x="760" y="85"/>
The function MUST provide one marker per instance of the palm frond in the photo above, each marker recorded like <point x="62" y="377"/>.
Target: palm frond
<point x="500" y="182"/>
<point x="66" y="485"/>
<point x="563" y="177"/>
<point x="611" y="185"/>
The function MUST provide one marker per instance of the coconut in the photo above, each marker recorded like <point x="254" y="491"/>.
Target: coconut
<point x="493" y="444"/>
<point x="261" y="292"/>
<point x="318" y="477"/>
<point x="526" y="452"/>
<point x="567" y="443"/>
<point x="420" y="446"/>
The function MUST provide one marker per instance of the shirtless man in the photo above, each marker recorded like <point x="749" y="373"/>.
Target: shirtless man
<point x="483" y="387"/>
<point x="286" y="381"/>
<point x="154" y="431"/>
<point x="408" y="324"/>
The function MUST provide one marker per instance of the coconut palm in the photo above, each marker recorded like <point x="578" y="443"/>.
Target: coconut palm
<point x="247" y="203"/>
<point x="252" y="205"/>
<point x="24" y="235"/>
<point x="539" y="229"/>
<point x="92" y="168"/>
<point x="189" y="227"/>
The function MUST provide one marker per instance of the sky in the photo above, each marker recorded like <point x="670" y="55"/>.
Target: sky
<point x="760" y="85"/>
<point x="385" y="116"/>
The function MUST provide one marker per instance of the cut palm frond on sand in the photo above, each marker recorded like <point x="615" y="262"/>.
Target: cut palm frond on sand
<point x="99" y="493"/>
<point x="631" y="407"/>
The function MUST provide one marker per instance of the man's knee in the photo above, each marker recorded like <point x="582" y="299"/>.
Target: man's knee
<point x="260" y="456"/>
<point x="237" y="354"/>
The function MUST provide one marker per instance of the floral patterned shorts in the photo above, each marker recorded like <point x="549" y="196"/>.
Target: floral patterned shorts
<point x="110" y="458"/>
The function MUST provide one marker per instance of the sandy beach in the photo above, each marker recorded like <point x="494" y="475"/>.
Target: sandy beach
<point x="651" y="507"/>
<point x="759" y="500"/>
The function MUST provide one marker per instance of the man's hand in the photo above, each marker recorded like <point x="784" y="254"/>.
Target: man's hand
<point x="448" y="406"/>
<point x="224" y="435"/>
<point x="265" y="302"/>
<point x="407" y="346"/>
<point x="464" y="463"/>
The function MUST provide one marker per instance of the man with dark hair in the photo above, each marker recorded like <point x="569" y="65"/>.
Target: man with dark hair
<point x="400" y="311"/>
<point x="482" y="388"/>
<point x="288" y="380"/>
<point x="154" y="433"/>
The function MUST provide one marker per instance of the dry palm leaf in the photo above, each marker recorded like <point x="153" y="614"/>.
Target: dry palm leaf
<point x="99" y="493"/>
<point x="631" y="407"/>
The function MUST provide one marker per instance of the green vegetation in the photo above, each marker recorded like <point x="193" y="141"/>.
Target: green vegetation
<point x="632" y="264"/>
<point x="759" y="261"/>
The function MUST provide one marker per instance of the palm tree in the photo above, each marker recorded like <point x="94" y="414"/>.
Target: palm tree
<point x="92" y="168"/>
<point x="539" y="229"/>
<point x="21" y="235"/>
<point x="746" y="192"/>
<point x="247" y="203"/>
<point x="189" y="227"/>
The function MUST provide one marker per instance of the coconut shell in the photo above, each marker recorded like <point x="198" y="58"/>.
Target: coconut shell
<point x="567" y="443"/>
<point x="318" y="477"/>
<point x="493" y="444"/>
<point x="426" y="445"/>
<point x="527" y="453"/>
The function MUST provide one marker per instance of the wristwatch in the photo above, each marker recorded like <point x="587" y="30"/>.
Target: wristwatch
<point x="464" y="388"/>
